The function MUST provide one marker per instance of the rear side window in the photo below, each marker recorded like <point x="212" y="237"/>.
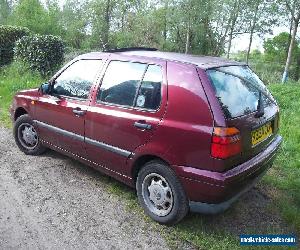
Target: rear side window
<point x="149" y="95"/>
<point x="132" y="84"/>
<point x="77" y="79"/>
<point x="121" y="82"/>
<point x="237" y="89"/>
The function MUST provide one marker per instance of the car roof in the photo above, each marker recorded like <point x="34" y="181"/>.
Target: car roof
<point x="204" y="62"/>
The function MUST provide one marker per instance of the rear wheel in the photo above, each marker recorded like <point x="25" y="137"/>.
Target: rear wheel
<point x="161" y="194"/>
<point x="26" y="136"/>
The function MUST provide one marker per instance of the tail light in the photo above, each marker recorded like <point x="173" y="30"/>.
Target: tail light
<point x="226" y="142"/>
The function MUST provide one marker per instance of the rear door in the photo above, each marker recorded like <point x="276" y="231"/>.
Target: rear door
<point x="239" y="90"/>
<point x="125" y="112"/>
<point x="60" y="115"/>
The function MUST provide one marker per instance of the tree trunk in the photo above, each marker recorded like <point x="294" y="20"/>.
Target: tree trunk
<point x="165" y="21"/>
<point x="290" y="35"/>
<point x="236" y="11"/>
<point x="252" y="31"/>
<point x="106" y="25"/>
<point x="298" y="69"/>
<point x="289" y="57"/>
<point x="187" y="43"/>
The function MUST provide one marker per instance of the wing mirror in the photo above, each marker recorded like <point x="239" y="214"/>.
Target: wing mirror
<point x="45" y="88"/>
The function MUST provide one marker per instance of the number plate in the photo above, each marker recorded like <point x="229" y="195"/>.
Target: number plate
<point x="262" y="133"/>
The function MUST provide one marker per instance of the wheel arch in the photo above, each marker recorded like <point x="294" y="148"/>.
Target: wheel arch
<point x="141" y="161"/>
<point x="20" y="111"/>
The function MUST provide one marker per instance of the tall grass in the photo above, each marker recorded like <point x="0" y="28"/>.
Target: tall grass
<point x="286" y="172"/>
<point x="13" y="78"/>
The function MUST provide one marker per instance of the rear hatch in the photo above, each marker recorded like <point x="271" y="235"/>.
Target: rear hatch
<point x="248" y="106"/>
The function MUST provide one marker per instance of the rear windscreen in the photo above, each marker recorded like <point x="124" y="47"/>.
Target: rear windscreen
<point x="237" y="88"/>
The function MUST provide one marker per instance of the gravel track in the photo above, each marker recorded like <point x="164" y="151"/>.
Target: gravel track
<point x="54" y="202"/>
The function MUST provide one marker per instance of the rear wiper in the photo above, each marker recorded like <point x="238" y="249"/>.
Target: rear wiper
<point x="260" y="107"/>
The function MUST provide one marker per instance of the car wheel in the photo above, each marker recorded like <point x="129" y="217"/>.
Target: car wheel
<point x="161" y="194"/>
<point x="26" y="136"/>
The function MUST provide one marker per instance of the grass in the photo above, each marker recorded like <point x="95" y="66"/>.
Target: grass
<point x="12" y="79"/>
<point x="260" y="211"/>
<point x="285" y="174"/>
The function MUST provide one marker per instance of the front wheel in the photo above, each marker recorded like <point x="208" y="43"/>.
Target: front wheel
<point x="161" y="194"/>
<point x="26" y="136"/>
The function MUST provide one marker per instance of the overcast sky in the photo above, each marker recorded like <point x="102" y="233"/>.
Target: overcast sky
<point x="242" y="41"/>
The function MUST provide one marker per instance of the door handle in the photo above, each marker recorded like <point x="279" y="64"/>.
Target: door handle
<point x="79" y="112"/>
<point x="142" y="125"/>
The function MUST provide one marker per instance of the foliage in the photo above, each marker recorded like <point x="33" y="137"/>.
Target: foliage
<point x="43" y="53"/>
<point x="276" y="48"/>
<point x="276" y="51"/>
<point x="33" y="15"/>
<point x="14" y="77"/>
<point x="5" y="10"/>
<point x="75" y="28"/>
<point x="8" y="36"/>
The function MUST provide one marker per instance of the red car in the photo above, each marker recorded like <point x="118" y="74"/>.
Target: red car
<point x="188" y="132"/>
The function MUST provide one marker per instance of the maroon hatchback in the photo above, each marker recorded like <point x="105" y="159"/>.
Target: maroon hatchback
<point x="189" y="132"/>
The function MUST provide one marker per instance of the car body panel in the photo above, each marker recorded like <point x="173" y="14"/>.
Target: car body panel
<point x="181" y="130"/>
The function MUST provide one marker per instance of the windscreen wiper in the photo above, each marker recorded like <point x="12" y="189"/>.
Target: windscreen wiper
<point x="260" y="107"/>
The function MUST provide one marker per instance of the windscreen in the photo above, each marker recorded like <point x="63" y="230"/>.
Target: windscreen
<point x="237" y="89"/>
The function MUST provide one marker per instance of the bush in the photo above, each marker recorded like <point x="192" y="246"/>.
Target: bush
<point x="43" y="53"/>
<point x="8" y="36"/>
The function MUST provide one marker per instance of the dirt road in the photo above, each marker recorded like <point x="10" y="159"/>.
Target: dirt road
<point x="54" y="202"/>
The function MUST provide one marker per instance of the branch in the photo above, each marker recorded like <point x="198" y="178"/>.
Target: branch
<point x="291" y="11"/>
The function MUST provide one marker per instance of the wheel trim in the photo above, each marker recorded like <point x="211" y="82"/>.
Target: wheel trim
<point x="157" y="194"/>
<point x="27" y="136"/>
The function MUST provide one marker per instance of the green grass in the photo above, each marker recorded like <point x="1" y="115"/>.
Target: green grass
<point x="12" y="79"/>
<point x="285" y="174"/>
<point x="257" y="215"/>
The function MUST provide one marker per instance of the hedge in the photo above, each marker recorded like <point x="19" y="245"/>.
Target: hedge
<point x="43" y="53"/>
<point x="8" y="36"/>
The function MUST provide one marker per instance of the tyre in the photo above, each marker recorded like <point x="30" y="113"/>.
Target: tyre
<point x="26" y="136"/>
<point x="161" y="194"/>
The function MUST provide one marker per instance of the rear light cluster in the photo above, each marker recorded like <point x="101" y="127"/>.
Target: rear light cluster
<point x="226" y="142"/>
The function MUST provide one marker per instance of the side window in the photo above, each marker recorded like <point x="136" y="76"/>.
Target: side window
<point x="77" y="79"/>
<point x="121" y="82"/>
<point x="149" y="95"/>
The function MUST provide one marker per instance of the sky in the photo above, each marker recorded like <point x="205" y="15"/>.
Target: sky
<point x="241" y="42"/>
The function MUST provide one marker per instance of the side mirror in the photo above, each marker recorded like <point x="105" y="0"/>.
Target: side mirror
<point x="45" y="88"/>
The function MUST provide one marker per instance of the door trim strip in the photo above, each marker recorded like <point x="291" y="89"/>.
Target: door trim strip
<point x="81" y="138"/>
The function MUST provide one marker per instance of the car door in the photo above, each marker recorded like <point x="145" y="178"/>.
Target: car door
<point x="60" y="115"/>
<point x="125" y="111"/>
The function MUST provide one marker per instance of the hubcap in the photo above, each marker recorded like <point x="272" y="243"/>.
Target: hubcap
<point x="27" y="136"/>
<point x="157" y="194"/>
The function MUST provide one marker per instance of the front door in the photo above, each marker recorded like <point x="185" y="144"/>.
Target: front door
<point x="60" y="115"/>
<point x="125" y="112"/>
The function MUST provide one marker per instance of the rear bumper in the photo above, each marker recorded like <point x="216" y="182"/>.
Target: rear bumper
<point x="213" y="192"/>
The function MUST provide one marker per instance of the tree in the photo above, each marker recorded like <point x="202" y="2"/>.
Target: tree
<point x="276" y="47"/>
<point x="33" y="15"/>
<point x="75" y="22"/>
<point x="293" y="6"/>
<point x="101" y="18"/>
<point x="261" y="16"/>
<point x="232" y="22"/>
<point x="30" y="14"/>
<point x="5" y="11"/>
